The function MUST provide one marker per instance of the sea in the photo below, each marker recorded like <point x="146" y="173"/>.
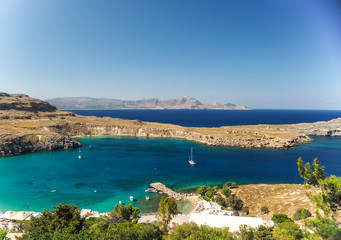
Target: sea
<point x="114" y="168"/>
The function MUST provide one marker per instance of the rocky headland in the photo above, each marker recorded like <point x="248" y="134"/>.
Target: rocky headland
<point x="31" y="125"/>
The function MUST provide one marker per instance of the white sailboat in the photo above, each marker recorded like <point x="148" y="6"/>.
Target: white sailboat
<point x="79" y="154"/>
<point x="191" y="161"/>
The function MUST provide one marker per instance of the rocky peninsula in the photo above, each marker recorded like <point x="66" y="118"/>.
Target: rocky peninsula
<point x="31" y="125"/>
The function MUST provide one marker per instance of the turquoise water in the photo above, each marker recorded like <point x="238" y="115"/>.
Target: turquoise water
<point x="119" y="167"/>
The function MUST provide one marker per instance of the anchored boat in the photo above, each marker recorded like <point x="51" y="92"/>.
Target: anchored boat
<point x="191" y="161"/>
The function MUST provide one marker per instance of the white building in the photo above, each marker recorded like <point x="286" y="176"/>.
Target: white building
<point x="220" y="221"/>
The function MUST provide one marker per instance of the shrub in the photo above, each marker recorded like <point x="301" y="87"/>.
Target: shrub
<point x="264" y="209"/>
<point x="226" y="191"/>
<point x="234" y="202"/>
<point x="301" y="214"/>
<point x="206" y="198"/>
<point x="280" y="218"/>
<point x="202" y="190"/>
<point x="231" y="184"/>
<point x="3" y="234"/>
<point x="287" y="230"/>
<point x="220" y="200"/>
<point x="193" y="231"/>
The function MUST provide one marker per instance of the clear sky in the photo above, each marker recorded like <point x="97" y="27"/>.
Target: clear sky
<point x="259" y="53"/>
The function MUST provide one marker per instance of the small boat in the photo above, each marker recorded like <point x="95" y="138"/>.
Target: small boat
<point x="95" y="191"/>
<point x="53" y="190"/>
<point x="160" y="192"/>
<point x="147" y="198"/>
<point x="120" y="202"/>
<point x="191" y="161"/>
<point x="131" y="198"/>
<point x="79" y="154"/>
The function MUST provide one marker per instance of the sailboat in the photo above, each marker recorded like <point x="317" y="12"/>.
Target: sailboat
<point x="191" y="158"/>
<point x="79" y="154"/>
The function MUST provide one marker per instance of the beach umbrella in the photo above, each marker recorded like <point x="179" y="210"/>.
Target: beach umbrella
<point x="8" y="215"/>
<point x="22" y="216"/>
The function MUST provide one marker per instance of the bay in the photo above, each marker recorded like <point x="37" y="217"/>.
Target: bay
<point x="114" y="168"/>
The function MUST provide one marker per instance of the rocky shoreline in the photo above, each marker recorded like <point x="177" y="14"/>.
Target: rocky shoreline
<point x="24" y="129"/>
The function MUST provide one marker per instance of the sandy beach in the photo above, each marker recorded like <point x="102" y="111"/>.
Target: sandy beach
<point x="193" y="199"/>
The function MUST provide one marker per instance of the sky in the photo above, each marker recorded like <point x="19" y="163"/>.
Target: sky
<point x="259" y="53"/>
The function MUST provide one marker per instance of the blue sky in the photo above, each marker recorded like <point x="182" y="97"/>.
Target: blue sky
<point x="259" y="53"/>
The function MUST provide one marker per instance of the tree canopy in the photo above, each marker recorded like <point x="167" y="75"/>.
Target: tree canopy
<point x="167" y="209"/>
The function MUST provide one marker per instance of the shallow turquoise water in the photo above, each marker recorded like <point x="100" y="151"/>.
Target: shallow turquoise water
<point x="119" y="167"/>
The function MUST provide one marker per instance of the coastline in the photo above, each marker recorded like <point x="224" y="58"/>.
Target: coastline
<point x="31" y="125"/>
<point x="47" y="133"/>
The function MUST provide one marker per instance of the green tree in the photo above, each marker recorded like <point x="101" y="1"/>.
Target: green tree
<point x="234" y="202"/>
<point x="167" y="209"/>
<point x="231" y="185"/>
<point x="123" y="214"/>
<point x="116" y="231"/>
<point x="226" y="191"/>
<point x="3" y="234"/>
<point x="220" y="200"/>
<point x="191" y="231"/>
<point x="318" y="170"/>
<point x="280" y="218"/>
<point x="331" y="188"/>
<point x="264" y="209"/>
<point x="325" y="228"/>
<point x="130" y="231"/>
<point x="300" y="167"/>
<point x="246" y="232"/>
<point x="260" y="233"/>
<point x="310" y="176"/>
<point x="264" y="233"/>
<point x="202" y="190"/>
<point x="63" y="219"/>
<point x="287" y="230"/>
<point x="329" y="199"/>
<point x="301" y="214"/>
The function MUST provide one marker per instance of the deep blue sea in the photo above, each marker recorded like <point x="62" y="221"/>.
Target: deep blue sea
<point x="119" y="167"/>
<point x="217" y="118"/>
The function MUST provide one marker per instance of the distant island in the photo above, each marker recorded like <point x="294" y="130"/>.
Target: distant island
<point x="78" y="103"/>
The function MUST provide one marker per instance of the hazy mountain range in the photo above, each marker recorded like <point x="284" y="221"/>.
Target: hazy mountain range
<point x="75" y="103"/>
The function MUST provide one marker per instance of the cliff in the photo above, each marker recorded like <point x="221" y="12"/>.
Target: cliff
<point x="35" y="129"/>
<point x="150" y="103"/>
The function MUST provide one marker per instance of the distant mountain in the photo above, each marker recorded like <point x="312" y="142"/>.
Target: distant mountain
<point x="75" y="103"/>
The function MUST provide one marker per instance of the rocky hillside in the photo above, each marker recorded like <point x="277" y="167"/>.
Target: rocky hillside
<point x="23" y="102"/>
<point x="279" y="198"/>
<point x="150" y="103"/>
<point x="329" y="128"/>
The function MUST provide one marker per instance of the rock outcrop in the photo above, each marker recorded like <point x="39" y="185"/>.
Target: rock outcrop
<point x="323" y="128"/>
<point x="23" y="102"/>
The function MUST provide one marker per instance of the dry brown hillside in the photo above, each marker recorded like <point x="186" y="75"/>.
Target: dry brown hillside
<point x="279" y="198"/>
